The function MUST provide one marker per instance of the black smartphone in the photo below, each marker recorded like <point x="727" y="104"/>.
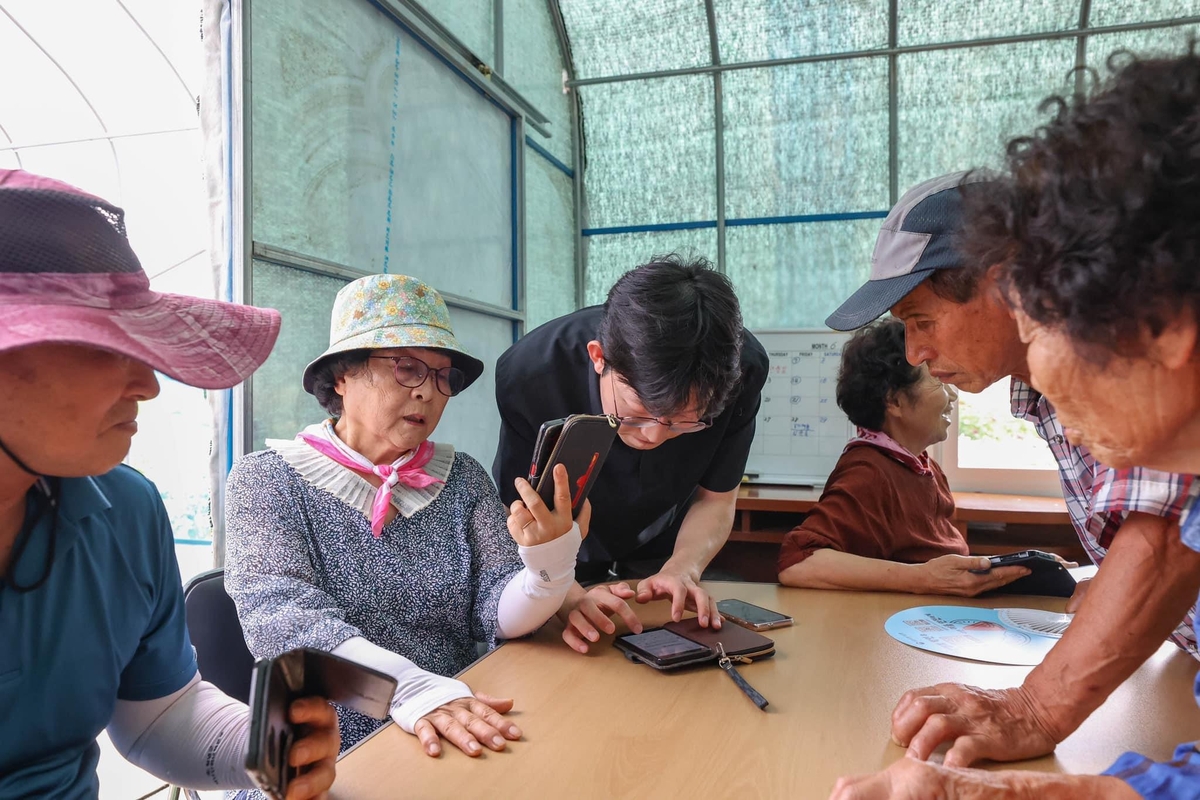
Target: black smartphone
<point x="303" y="672"/>
<point x="748" y="615"/>
<point x="1047" y="576"/>
<point x="661" y="648"/>
<point x="547" y="437"/>
<point x="582" y="445"/>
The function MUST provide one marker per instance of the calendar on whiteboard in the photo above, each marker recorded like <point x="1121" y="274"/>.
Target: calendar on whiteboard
<point x="800" y="431"/>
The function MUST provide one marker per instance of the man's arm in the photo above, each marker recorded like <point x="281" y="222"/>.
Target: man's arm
<point x="703" y="532"/>
<point x="1142" y="590"/>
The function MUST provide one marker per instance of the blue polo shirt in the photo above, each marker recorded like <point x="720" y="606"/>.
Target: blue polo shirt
<point x="107" y="624"/>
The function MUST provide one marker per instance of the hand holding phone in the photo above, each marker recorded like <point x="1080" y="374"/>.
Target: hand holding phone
<point x="580" y="443"/>
<point x="531" y="521"/>
<point x="289" y="703"/>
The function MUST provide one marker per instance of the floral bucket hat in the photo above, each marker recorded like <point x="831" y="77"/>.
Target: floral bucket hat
<point x="385" y="311"/>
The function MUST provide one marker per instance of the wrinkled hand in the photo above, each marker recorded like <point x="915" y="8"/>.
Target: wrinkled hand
<point x="952" y="575"/>
<point x="908" y="779"/>
<point x="467" y="723"/>
<point x="531" y="523"/>
<point x="1081" y="590"/>
<point x="1001" y="725"/>
<point x="586" y="614"/>
<point x="316" y="751"/>
<point x="684" y="592"/>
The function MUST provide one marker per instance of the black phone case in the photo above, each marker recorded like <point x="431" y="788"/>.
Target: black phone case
<point x="303" y="672"/>
<point x="547" y="437"/>
<point x="581" y="447"/>
<point x="1047" y="578"/>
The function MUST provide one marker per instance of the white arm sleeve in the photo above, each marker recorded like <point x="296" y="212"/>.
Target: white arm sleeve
<point x="196" y="737"/>
<point x="536" y="592"/>
<point x="417" y="693"/>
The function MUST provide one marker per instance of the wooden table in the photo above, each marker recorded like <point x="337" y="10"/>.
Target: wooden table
<point x="600" y="726"/>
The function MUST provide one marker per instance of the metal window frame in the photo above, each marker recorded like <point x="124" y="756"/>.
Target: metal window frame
<point x="892" y="52"/>
<point x="416" y="22"/>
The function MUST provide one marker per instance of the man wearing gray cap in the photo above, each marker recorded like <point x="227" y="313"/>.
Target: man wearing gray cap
<point x="958" y="322"/>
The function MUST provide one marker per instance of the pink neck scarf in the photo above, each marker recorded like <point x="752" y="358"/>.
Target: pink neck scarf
<point x="409" y="469"/>
<point x="918" y="464"/>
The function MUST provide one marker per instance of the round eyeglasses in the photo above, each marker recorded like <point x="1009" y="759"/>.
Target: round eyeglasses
<point x="679" y="426"/>
<point x="412" y="372"/>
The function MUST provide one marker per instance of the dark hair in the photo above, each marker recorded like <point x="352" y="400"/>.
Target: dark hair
<point x="873" y="371"/>
<point x="1097" y="217"/>
<point x="331" y="369"/>
<point x="673" y="330"/>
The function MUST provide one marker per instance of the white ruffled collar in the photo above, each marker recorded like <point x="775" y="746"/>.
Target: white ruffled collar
<point x="352" y="488"/>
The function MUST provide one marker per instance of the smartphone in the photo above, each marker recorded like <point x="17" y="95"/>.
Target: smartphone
<point x="547" y="437"/>
<point x="661" y="648"/>
<point x="1047" y="576"/>
<point x="748" y="615"/>
<point x="303" y="672"/>
<point x="582" y="445"/>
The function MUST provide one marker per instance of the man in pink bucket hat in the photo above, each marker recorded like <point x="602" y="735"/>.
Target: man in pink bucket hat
<point x="91" y="604"/>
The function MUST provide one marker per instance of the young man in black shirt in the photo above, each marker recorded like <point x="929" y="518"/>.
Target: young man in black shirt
<point x="668" y="356"/>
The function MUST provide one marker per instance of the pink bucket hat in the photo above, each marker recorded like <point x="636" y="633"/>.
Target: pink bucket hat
<point x="68" y="275"/>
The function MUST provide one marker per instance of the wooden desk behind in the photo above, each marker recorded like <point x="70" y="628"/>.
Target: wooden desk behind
<point x="600" y="726"/>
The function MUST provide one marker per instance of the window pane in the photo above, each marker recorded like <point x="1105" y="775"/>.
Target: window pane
<point x="651" y="151"/>
<point x="990" y="437"/>
<point x="1154" y="42"/>
<point x="533" y="65"/>
<point x="806" y="139"/>
<point x="922" y="21"/>
<point x="549" y="242"/>
<point x="470" y="21"/>
<point x="611" y="256"/>
<point x="615" y="37"/>
<point x="758" y="30"/>
<point x="1117" y="12"/>
<point x="1002" y="86"/>
<point x="370" y="152"/>
<point x="794" y="276"/>
<point x="280" y="406"/>
<point x="471" y="421"/>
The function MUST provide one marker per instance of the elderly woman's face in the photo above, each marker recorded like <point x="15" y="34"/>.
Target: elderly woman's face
<point x="927" y="407"/>
<point x="378" y="409"/>
<point x="70" y="411"/>
<point x="1126" y="411"/>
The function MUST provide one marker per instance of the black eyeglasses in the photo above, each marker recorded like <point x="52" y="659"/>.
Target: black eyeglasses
<point x="679" y="426"/>
<point x="412" y="372"/>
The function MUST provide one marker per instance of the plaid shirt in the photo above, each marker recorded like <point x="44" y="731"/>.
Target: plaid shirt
<point x="1098" y="497"/>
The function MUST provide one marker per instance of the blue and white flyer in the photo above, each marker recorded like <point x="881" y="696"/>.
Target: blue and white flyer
<point x="1019" y="636"/>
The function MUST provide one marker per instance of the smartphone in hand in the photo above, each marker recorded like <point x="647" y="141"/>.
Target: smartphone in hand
<point x="581" y="443"/>
<point x="303" y="672"/>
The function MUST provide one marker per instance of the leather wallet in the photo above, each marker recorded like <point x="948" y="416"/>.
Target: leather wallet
<point x="739" y="643"/>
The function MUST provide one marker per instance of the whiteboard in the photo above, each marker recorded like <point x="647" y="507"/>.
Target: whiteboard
<point x="800" y="430"/>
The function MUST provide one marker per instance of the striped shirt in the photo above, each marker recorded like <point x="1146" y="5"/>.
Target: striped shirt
<point x="1099" y="498"/>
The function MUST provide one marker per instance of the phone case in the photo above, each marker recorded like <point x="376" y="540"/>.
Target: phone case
<point x="581" y="447"/>
<point x="546" y="439"/>
<point x="736" y="640"/>
<point x="302" y="673"/>
<point x="1048" y="577"/>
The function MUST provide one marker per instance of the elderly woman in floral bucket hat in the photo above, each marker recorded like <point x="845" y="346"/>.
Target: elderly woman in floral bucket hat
<point x="363" y="537"/>
<point x="92" y="630"/>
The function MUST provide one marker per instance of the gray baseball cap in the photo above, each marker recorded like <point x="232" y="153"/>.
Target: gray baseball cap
<point x="919" y="235"/>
